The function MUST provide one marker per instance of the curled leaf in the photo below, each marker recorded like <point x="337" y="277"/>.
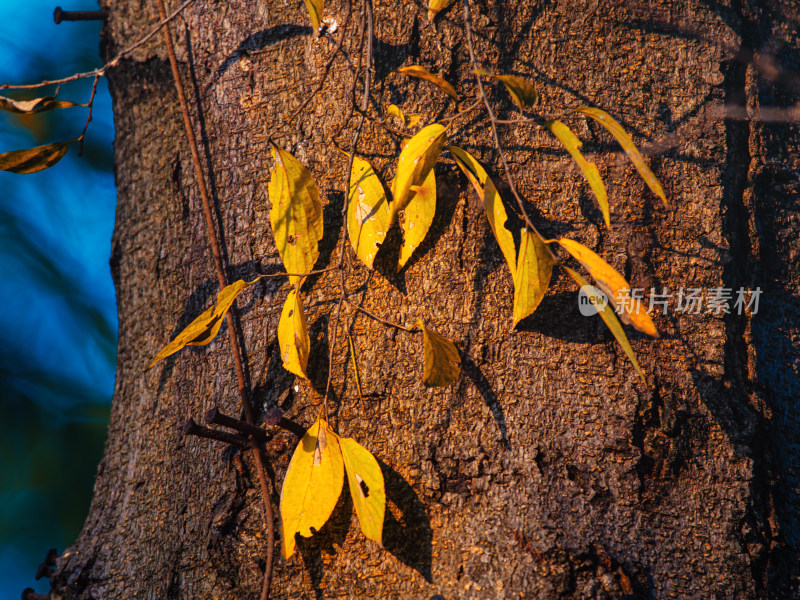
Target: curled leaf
<point x="442" y="361"/>
<point x="610" y="319"/>
<point x="293" y="340"/>
<point x="407" y="120"/>
<point x="205" y="327"/>
<point x="29" y="107"/>
<point x="312" y="485"/>
<point x="315" y="12"/>
<point x="492" y="203"/>
<point x="613" y="285"/>
<point x="33" y="160"/>
<point x="417" y="217"/>
<point x="436" y="6"/>
<point x="423" y="73"/>
<point x="532" y="275"/>
<point x="365" y="480"/>
<point x="615" y="129"/>
<point x="521" y="90"/>
<point x="296" y="214"/>
<point x="367" y="211"/>
<point x="589" y="169"/>
<point x="415" y="162"/>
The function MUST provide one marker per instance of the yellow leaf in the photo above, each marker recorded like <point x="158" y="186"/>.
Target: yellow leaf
<point x="423" y="73"/>
<point x="296" y="214"/>
<point x="627" y="144"/>
<point x="589" y="169"/>
<point x="415" y="162"/>
<point x="532" y="277"/>
<point x="492" y="203"/>
<point x="293" y="340"/>
<point x="613" y="285"/>
<point x="366" y="487"/>
<point x="33" y="160"/>
<point x="205" y="327"/>
<point x="435" y="6"/>
<point x="407" y="120"/>
<point x="442" y="361"/>
<point x="312" y="485"/>
<point x="28" y="107"/>
<point x="521" y="90"/>
<point x="610" y="319"/>
<point x="367" y="211"/>
<point x="417" y="217"/>
<point x="315" y="12"/>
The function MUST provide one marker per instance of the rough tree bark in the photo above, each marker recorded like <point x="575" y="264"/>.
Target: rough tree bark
<point x="548" y="470"/>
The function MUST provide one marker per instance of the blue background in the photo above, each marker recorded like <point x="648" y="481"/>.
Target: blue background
<point x="58" y="319"/>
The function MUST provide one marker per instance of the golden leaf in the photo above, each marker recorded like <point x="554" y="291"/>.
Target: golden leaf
<point x="589" y="169"/>
<point x="436" y="6"/>
<point x="423" y="73"/>
<point x="417" y="217"/>
<point x="293" y="340"/>
<point x="521" y="90"/>
<point x="610" y="319"/>
<point x="315" y="12"/>
<point x="615" y="129"/>
<point x="312" y="485"/>
<point x="205" y="327"/>
<point x="296" y="214"/>
<point x="415" y="162"/>
<point x="33" y="160"/>
<point x="492" y="203"/>
<point x="366" y="487"/>
<point x="367" y="211"/>
<point x="442" y="360"/>
<point x="532" y="276"/>
<point x="29" y="107"/>
<point x="613" y="285"/>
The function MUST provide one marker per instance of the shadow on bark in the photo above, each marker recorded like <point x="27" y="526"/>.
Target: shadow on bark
<point x="409" y="536"/>
<point x="258" y="41"/>
<point x="484" y="387"/>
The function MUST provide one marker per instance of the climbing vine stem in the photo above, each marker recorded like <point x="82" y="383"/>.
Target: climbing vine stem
<point x="232" y="325"/>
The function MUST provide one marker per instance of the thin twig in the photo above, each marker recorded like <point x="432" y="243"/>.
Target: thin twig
<point x="355" y="368"/>
<point x="222" y="278"/>
<point x="517" y="122"/>
<point x="367" y="24"/>
<point x="493" y="120"/>
<point x="381" y="320"/>
<point x="317" y="272"/>
<point x="112" y="63"/>
<point x="89" y="116"/>
<point x="462" y="113"/>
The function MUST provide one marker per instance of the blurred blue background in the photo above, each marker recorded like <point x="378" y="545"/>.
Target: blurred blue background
<point x="58" y="322"/>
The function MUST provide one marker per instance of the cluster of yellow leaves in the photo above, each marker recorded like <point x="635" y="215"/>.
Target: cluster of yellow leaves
<point x="370" y="215"/>
<point x="296" y="219"/>
<point x="531" y="265"/>
<point x="314" y="481"/>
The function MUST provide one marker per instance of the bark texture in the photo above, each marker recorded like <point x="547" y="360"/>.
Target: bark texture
<point x="548" y="470"/>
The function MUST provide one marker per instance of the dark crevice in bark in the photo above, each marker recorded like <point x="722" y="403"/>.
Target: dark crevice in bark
<point x="774" y="566"/>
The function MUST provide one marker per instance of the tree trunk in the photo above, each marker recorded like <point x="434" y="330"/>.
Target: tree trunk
<point x="548" y="470"/>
